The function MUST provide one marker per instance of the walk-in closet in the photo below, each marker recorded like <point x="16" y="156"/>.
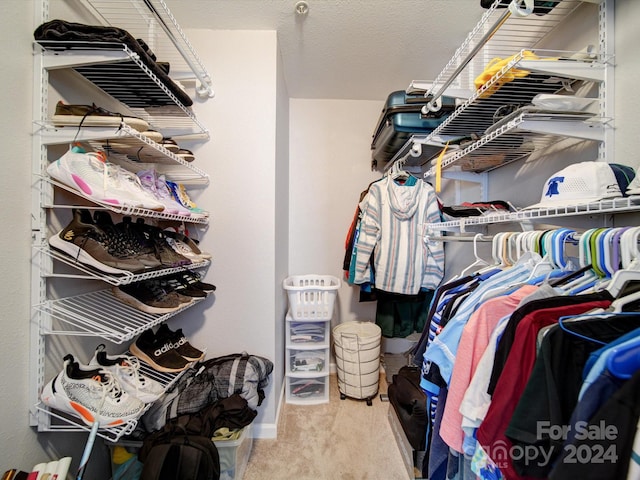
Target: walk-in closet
<point x="380" y="240"/>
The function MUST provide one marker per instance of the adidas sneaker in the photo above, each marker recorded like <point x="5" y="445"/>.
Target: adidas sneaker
<point x="91" y="394"/>
<point x="126" y="369"/>
<point x="158" y="352"/>
<point x="180" y="343"/>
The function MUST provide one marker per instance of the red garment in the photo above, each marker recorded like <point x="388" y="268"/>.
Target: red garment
<point x="514" y="378"/>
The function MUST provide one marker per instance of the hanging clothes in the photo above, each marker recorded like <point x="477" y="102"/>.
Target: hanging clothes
<point x="392" y="225"/>
<point x="552" y="389"/>
<point x="514" y="377"/>
<point x="622" y="410"/>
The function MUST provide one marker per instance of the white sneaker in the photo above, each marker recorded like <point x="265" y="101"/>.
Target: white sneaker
<point x="126" y="369"/>
<point x="91" y="175"/>
<point x="90" y="394"/>
<point x="130" y="182"/>
<point x="151" y="183"/>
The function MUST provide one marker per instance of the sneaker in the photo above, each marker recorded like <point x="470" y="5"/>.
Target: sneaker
<point x="185" y="248"/>
<point x="143" y="242"/>
<point x="130" y="182"/>
<point x="90" y="175"/>
<point x="88" y="244"/>
<point x="91" y="394"/>
<point x="147" y="296"/>
<point x="127" y="241"/>
<point x="176" y="284"/>
<point x="167" y="255"/>
<point x="181" y="196"/>
<point x="186" y="155"/>
<point x="150" y="182"/>
<point x="93" y="116"/>
<point x="173" y="287"/>
<point x="158" y="353"/>
<point x="180" y="343"/>
<point x="152" y="135"/>
<point x="165" y="195"/>
<point x="193" y="279"/>
<point x="126" y="369"/>
<point x="170" y="145"/>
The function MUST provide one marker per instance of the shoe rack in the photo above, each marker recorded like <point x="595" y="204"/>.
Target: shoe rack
<point x="98" y="314"/>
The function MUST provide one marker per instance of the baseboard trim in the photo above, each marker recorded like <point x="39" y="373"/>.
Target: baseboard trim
<point x="270" y="430"/>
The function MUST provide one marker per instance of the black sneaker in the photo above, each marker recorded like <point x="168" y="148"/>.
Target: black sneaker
<point x="125" y="239"/>
<point x="147" y="296"/>
<point x="136" y="231"/>
<point x="158" y="353"/>
<point x="88" y="244"/>
<point x="182" y="286"/>
<point x="168" y="256"/>
<point x="180" y="343"/>
<point x="169" y="284"/>
<point x="193" y="279"/>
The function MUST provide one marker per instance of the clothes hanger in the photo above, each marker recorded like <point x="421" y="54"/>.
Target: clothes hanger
<point x="619" y="303"/>
<point x="574" y="318"/>
<point x="546" y="265"/>
<point x="571" y="276"/>
<point x="607" y="248"/>
<point x="629" y="246"/>
<point x="479" y="262"/>
<point x="589" y="277"/>
<point x="624" y="360"/>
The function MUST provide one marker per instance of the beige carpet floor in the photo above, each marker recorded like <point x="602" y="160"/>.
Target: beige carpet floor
<point x="339" y="440"/>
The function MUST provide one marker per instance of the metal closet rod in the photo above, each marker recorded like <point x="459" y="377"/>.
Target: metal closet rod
<point x="485" y="38"/>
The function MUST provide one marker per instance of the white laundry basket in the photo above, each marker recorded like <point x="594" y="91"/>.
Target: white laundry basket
<point x="311" y="297"/>
<point x="357" y="349"/>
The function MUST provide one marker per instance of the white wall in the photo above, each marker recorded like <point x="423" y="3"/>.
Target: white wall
<point x="330" y="161"/>
<point x="19" y="445"/>
<point x="244" y="234"/>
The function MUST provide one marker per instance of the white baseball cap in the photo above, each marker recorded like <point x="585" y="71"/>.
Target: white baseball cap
<point x="579" y="184"/>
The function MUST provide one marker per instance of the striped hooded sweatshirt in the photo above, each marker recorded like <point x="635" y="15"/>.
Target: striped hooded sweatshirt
<point x="393" y="230"/>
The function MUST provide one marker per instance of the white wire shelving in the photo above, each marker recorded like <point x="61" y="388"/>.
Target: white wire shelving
<point x="101" y="314"/>
<point x="117" y="70"/>
<point x="519" y="137"/>
<point x="613" y="205"/>
<point x="527" y="70"/>
<point x="86" y="272"/>
<point x="498" y="34"/>
<point x="128" y="148"/>
<point x="152" y="21"/>
<point x="142" y="90"/>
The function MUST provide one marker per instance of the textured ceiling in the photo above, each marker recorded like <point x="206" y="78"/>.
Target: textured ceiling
<point x="349" y="49"/>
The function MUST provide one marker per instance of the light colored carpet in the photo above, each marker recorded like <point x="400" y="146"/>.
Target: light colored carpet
<point x="339" y="440"/>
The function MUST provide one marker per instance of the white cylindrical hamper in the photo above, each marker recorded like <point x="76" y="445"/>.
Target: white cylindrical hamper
<point x="357" y="349"/>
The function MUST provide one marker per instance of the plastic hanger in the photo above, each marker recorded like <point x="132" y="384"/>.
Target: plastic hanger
<point x="624" y="360"/>
<point x="542" y="270"/>
<point x="589" y="278"/>
<point x="619" y="303"/>
<point x="569" y="318"/>
<point x="622" y="277"/>
<point x="606" y="250"/>
<point x="479" y="262"/>
<point x="629" y="246"/>
<point x="571" y="276"/>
